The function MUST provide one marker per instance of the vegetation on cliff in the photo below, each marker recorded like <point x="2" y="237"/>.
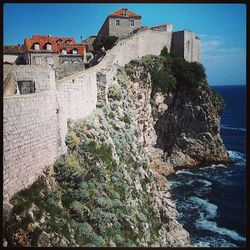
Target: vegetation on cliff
<point x="103" y="191"/>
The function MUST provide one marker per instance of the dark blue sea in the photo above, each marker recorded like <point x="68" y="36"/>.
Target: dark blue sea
<point x="211" y="200"/>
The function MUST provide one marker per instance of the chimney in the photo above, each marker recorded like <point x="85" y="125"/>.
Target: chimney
<point x="124" y="11"/>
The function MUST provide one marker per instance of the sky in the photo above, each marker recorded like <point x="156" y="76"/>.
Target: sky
<point x="221" y="27"/>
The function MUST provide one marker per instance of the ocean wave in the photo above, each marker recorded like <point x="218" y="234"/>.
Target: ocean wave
<point x="237" y="156"/>
<point x="232" y="128"/>
<point x="212" y="242"/>
<point x="183" y="172"/>
<point x="205" y="182"/>
<point x="212" y="226"/>
<point x="214" y="166"/>
<point x="174" y="184"/>
<point x="210" y="208"/>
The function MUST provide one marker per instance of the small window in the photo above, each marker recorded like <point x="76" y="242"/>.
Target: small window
<point x="117" y="22"/>
<point x="64" y="51"/>
<point x="74" y="51"/>
<point x="48" y="46"/>
<point x="38" y="60"/>
<point x="37" y="46"/>
<point x="50" y="61"/>
<point x="132" y="22"/>
<point x="59" y="41"/>
<point x="68" y="41"/>
<point x="26" y="87"/>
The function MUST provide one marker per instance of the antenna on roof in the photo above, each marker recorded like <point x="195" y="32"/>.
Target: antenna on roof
<point x="81" y="38"/>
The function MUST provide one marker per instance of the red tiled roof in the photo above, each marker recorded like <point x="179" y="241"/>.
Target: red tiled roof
<point x="43" y="40"/>
<point x="120" y="13"/>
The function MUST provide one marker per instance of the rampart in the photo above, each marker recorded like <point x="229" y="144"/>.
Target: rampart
<point x="35" y="125"/>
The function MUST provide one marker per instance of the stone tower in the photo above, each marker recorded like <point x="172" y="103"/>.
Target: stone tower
<point x="187" y="44"/>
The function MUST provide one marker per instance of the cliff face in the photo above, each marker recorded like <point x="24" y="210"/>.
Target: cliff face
<point x="188" y="130"/>
<point x="110" y="189"/>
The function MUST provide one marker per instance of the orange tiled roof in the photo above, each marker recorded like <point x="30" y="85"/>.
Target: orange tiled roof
<point x="119" y="13"/>
<point x="43" y="40"/>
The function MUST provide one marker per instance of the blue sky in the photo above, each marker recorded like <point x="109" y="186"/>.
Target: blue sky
<point x="221" y="27"/>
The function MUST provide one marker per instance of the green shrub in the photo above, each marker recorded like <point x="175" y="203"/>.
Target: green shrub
<point x="126" y="119"/>
<point x="84" y="229"/>
<point x="114" y="92"/>
<point x="97" y="241"/>
<point x="72" y="140"/>
<point x="107" y="42"/>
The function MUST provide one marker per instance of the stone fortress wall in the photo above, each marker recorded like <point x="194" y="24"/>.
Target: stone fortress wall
<point x="35" y="125"/>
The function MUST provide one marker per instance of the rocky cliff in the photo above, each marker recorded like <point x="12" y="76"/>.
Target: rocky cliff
<point x="110" y="188"/>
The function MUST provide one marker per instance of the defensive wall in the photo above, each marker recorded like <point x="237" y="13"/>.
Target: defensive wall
<point x="35" y="125"/>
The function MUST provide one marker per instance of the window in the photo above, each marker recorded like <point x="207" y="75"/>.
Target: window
<point x="50" y="61"/>
<point x="117" y="22"/>
<point x="26" y="87"/>
<point x="38" y="60"/>
<point x="59" y="41"/>
<point x="74" y="51"/>
<point x="64" y="51"/>
<point x="48" y="46"/>
<point x="68" y="41"/>
<point x="37" y="46"/>
<point x="132" y="22"/>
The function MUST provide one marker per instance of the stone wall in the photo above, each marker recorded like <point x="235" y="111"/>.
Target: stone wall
<point x="104" y="31"/>
<point x="43" y="76"/>
<point x="44" y="57"/>
<point x="35" y="125"/>
<point x="187" y="44"/>
<point x="125" y="28"/>
<point x="30" y="139"/>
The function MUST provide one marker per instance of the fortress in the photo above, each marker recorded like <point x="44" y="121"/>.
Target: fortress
<point x="35" y="124"/>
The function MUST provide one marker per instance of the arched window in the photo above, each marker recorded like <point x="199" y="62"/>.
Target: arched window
<point x="64" y="51"/>
<point x="59" y="41"/>
<point x="48" y="46"/>
<point x="68" y="41"/>
<point x="36" y="46"/>
<point x="74" y="51"/>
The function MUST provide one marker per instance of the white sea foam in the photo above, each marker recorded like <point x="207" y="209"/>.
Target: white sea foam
<point x="174" y="183"/>
<point x="213" y="242"/>
<point x="183" y="172"/>
<point x="212" y="226"/>
<point x="236" y="156"/>
<point x="214" y="166"/>
<point x="232" y="128"/>
<point x="205" y="182"/>
<point x="210" y="208"/>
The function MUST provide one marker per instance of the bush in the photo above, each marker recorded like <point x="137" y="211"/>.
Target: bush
<point x="114" y="92"/>
<point x="71" y="140"/>
<point x="107" y="42"/>
<point x="126" y="119"/>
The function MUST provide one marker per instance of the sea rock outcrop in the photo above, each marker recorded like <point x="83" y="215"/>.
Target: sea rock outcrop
<point x="188" y="130"/>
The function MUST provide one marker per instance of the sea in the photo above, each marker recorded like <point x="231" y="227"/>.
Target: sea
<point x="211" y="200"/>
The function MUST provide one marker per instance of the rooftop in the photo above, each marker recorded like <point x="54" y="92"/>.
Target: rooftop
<point x="57" y="43"/>
<point x="124" y="13"/>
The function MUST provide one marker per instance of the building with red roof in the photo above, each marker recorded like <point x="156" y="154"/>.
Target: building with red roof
<point x="48" y="50"/>
<point x="120" y="23"/>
